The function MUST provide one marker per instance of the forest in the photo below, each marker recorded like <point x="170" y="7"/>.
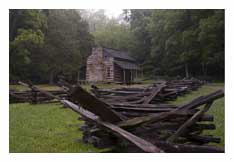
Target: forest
<point x="44" y="44"/>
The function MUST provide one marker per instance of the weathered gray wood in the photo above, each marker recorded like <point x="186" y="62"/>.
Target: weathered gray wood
<point x="203" y="100"/>
<point x="86" y="100"/>
<point x="124" y="75"/>
<point x="130" y="97"/>
<point x="156" y="125"/>
<point x="42" y="91"/>
<point x="142" y="109"/>
<point x="139" y="142"/>
<point x="155" y="92"/>
<point x="185" y="148"/>
<point x="203" y="139"/>
<point x="66" y="86"/>
<point x="202" y="127"/>
<point x="161" y="116"/>
<point x="95" y="105"/>
<point x="189" y="122"/>
<point x="144" y="105"/>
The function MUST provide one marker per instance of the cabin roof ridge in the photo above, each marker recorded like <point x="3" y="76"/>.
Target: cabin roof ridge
<point x="119" y="54"/>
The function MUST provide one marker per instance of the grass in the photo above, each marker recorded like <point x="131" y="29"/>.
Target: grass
<point x="45" y="128"/>
<point x="51" y="128"/>
<point x="87" y="86"/>
<point x="42" y="86"/>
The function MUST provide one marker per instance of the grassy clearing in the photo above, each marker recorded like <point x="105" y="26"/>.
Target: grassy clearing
<point x="50" y="128"/>
<point x="42" y="86"/>
<point x="87" y="87"/>
<point x="45" y="128"/>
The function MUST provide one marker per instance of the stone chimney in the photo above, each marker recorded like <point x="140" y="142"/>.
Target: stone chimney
<point x="97" y="51"/>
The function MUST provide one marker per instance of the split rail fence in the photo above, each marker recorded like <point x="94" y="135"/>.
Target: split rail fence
<point x="140" y="119"/>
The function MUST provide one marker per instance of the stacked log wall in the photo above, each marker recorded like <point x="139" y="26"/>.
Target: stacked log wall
<point x="108" y="68"/>
<point x="118" y="73"/>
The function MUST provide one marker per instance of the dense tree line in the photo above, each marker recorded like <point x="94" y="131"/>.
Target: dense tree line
<point x="185" y="43"/>
<point x="48" y="43"/>
<point x="179" y="42"/>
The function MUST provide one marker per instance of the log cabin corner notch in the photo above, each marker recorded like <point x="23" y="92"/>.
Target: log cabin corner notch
<point x="111" y="65"/>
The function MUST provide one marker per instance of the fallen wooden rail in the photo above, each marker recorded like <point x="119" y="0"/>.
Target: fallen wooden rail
<point x="136" y="121"/>
<point x="35" y="96"/>
<point x="139" y="142"/>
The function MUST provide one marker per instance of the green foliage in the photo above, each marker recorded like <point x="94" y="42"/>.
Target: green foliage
<point x="26" y="41"/>
<point x="180" y="42"/>
<point x="114" y="35"/>
<point x="68" y="42"/>
<point x="139" y="20"/>
<point x="26" y="19"/>
<point x="47" y="43"/>
<point x="211" y="37"/>
<point x="26" y="37"/>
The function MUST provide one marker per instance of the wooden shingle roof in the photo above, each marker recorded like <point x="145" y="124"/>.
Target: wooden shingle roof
<point x="117" y="54"/>
<point x="127" y="65"/>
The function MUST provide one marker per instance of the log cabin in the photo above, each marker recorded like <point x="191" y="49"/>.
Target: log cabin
<point x="111" y="65"/>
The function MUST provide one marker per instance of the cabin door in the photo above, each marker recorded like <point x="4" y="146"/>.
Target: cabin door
<point x="127" y="78"/>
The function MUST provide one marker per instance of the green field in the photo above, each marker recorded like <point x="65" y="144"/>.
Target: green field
<point x="52" y="128"/>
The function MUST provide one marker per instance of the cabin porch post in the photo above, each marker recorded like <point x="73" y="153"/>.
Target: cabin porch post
<point x="131" y="76"/>
<point x="136" y="74"/>
<point x="124" y="75"/>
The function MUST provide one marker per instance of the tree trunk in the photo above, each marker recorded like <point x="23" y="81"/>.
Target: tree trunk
<point x="204" y="71"/>
<point x="186" y="70"/>
<point x="13" y="23"/>
<point x="51" y="81"/>
<point x="78" y="76"/>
